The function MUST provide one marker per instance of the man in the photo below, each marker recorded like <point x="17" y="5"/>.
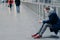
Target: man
<point x="53" y="19"/>
<point x="17" y="2"/>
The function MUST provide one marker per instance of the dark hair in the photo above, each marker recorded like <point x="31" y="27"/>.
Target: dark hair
<point x="47" y="8"/>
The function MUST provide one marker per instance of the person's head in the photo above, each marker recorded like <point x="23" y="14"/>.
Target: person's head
<point x="47" y="8"/>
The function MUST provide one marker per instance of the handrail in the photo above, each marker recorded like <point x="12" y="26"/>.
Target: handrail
<point x="48" y="4"/>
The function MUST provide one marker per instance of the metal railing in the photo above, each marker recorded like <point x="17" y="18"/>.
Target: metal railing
<point x="42" y="4"/>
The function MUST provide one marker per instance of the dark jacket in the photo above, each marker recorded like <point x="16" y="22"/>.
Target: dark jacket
<point x="53" y="18"/>
<point x="54" y="21"/>
<point x="17" y="2"/>
<point x="55" y="27"/>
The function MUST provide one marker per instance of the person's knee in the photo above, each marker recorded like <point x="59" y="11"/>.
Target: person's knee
<point x="45" y="25"/>
<point x="48" y="25"/>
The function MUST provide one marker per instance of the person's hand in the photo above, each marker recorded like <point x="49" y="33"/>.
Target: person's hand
<point x="40" y="21"/>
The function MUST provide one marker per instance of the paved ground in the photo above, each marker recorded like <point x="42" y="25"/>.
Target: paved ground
<point x="20" y="26"/>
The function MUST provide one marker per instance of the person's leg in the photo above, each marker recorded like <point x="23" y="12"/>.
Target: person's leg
<point x="38" y="31"/>
<point x="18" y="9"/>
<point x="42" y="30"/>
<point x="10" y="6"/>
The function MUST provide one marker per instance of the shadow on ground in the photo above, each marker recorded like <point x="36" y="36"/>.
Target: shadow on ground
<point x="51" y="36"/>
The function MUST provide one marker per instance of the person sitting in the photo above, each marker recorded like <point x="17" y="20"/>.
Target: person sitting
<point x="51" y="22"/>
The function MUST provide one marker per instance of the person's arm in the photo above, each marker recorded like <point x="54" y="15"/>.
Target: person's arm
<point x="46" y="21"/>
